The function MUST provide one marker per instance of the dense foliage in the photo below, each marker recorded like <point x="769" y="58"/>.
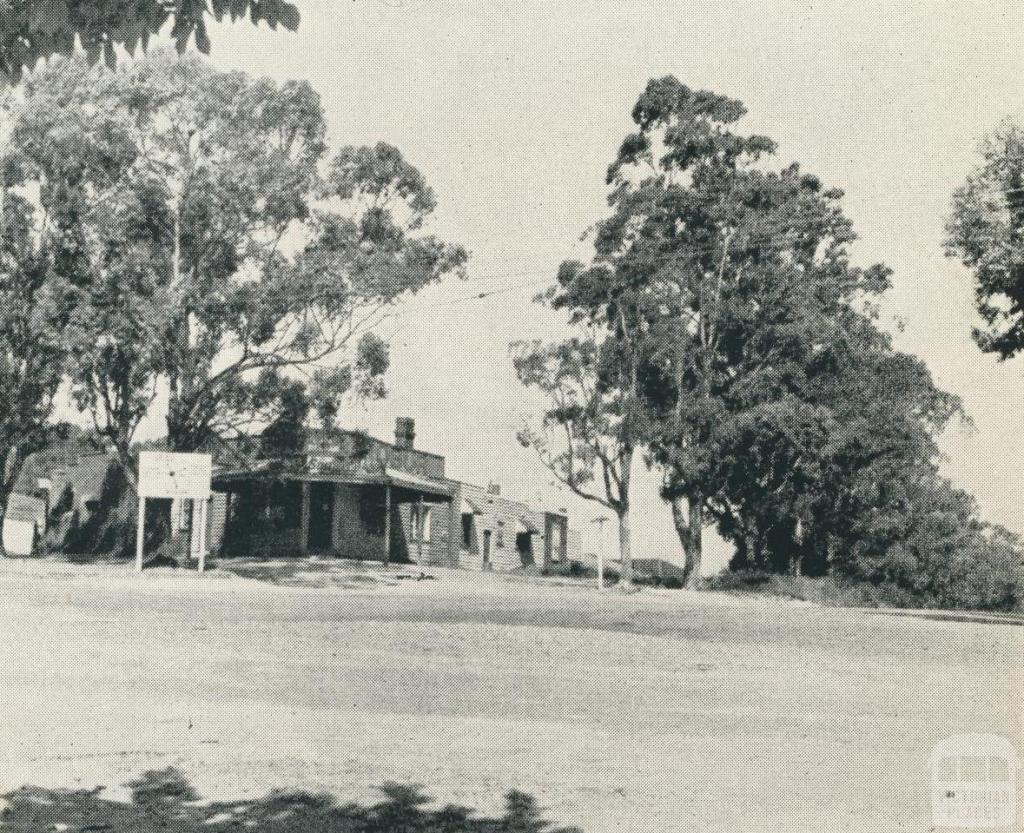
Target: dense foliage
<point x="35" y="306"/>
<point x="773" y="403"/>
<point x="986" y="232"/>
<point x="219" y="250"/>
<point x="34" y="30"/>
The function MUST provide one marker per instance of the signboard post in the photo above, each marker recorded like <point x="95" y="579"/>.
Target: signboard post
<point x="601" y="521"/>
<point x="164" y="474"/>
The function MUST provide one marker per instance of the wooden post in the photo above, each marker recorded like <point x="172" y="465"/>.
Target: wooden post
<point x="419" y="530"/>
<point x="304" y="532"/>
<point x="202" y="533"/>
<point x="387" y="524"/>
<point x="193" y="529"/>
<point x="140" y="534"/>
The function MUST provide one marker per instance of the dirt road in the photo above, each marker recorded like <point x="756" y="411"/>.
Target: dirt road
<point x="663" y="711"/>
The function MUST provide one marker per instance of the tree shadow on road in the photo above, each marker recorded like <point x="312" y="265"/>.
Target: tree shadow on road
<point x="165" y="801"/>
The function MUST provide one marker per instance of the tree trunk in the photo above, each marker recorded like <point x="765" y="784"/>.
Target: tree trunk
<point x="9" y="470"/>
<point x="754" y="553"/>
<point x="181" y="433"/>
<point x="625" y="554"/>
<point x="690" y="529"/>
<point x="5" y="495"/>
<point x="126" y="458"/>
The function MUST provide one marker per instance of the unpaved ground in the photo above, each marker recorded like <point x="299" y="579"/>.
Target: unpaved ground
<point x="663" y="711"/>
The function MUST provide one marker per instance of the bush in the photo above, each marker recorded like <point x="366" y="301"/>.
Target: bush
<point x="576" y="569"/>
<point x="825" y="590"/>
<point x="925" y="546"/>
<point x="980" y="568"/>
<point x="985" y="575"/>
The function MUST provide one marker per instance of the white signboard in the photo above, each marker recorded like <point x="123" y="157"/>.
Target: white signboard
<point x="19" y="536"/>
<point x="174" y="475"/>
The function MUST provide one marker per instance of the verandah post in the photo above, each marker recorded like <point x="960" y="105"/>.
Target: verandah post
<point x="304" y="531"/>
<point x="387" y="524"/>
<point x="139" y="534"/>
<point x="203" y="510"/>
<point x="419" y="529"/>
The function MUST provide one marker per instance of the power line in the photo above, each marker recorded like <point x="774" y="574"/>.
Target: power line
<point x="655" y="259"/>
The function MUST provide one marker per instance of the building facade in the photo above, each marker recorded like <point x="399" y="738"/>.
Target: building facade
<point x="489" y="532"/>
<point x="353" y="496"/>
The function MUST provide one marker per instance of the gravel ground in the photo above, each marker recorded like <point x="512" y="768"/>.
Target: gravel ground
<point x="660" y="711"/>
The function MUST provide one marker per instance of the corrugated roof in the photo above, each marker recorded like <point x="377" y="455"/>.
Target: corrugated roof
<point x="414" y="482"/>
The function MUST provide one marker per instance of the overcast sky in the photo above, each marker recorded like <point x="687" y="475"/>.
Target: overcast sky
<point x="514" y="109"/>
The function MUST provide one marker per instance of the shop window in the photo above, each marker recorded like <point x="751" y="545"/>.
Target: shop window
<point x="421" y="522"/>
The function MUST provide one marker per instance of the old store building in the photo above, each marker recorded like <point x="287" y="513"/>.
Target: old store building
<point x="354" y="496"/>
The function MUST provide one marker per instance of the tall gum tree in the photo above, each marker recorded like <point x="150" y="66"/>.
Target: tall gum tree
<point x="36" y="304"/>
<point x="589" y="432"/>
<point x="737" y="273"/>
<point x="232" y="255"/>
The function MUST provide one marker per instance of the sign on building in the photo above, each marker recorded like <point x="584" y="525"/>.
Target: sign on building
<point x="165" y="474"/>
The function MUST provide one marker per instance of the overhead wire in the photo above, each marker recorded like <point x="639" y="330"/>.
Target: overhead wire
<point x="496" y="279"/>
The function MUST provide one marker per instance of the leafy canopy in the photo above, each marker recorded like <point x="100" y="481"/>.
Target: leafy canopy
<point x="34" y="307"/>
<point x="220" y="250"/>
<point x="986" y="232"/>
<point x="770" y="397"/>
<point x="34" y="30"/>
<point x="584" y="433"/>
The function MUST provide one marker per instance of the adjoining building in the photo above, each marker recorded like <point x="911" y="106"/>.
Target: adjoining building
<point x="488" y="531"/>
<point x="59" y="496"/>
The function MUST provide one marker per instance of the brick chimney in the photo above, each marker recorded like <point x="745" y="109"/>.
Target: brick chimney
<point x="405" y="432"/>
<point x="494" y="488"/>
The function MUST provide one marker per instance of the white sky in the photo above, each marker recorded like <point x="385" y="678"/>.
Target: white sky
<point x="513" y="109"/>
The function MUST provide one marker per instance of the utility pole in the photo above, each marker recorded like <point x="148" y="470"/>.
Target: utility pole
<point x="600" y="521"/>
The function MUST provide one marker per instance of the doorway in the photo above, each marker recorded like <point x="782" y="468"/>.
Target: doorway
<point x="321" y="516"/>
<point x="524" y="546"/>
<point x="487" y="549"/>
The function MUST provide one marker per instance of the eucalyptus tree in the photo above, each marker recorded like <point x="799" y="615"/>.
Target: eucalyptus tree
<point x="35" y="304"/>
<point x="592" y="424"/>
<point x="726" y="271"/>
<point x="768" y="394"/>
<point x="225" y="253"/>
